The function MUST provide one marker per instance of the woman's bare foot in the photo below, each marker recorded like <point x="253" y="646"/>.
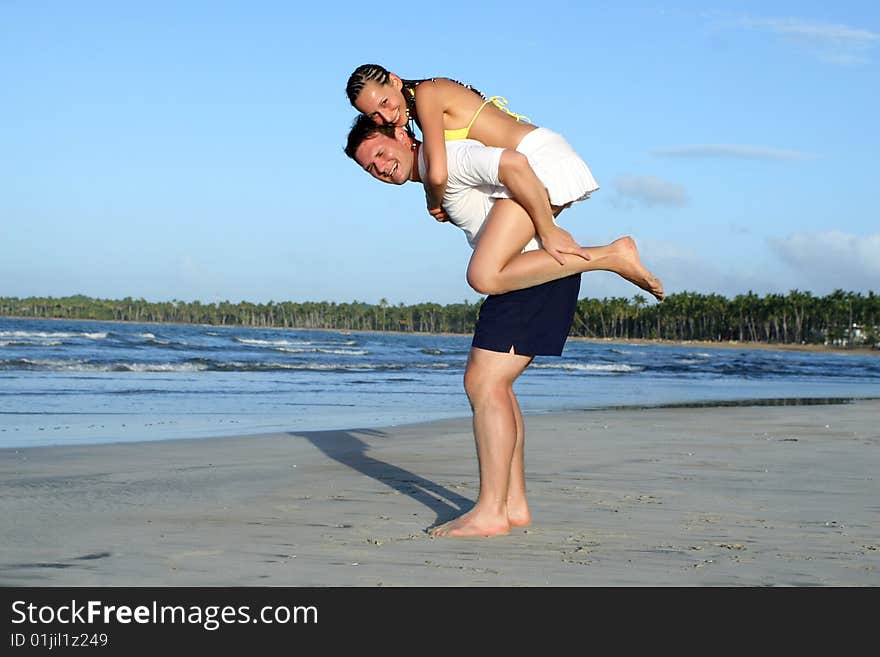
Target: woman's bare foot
<point x="627" y="263"/>
<point x="473" y="523"/>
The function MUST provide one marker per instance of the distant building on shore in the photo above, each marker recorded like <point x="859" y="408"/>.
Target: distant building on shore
<point x="858" y="335"/>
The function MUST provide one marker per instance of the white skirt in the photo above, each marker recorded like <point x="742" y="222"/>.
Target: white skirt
<point x="566" y="176"/>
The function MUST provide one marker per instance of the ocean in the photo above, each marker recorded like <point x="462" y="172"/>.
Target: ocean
<point x="84" y="382"/>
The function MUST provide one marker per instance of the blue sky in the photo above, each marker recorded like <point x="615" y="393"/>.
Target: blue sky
<point x="193" y="150"/>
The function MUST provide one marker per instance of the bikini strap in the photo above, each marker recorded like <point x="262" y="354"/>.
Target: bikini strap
<point x="476" y="114"/>
<point x="501" y="103"/>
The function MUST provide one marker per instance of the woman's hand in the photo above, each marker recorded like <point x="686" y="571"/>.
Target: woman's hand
<point x="438" y="213"/>
<point x="558" y="242"/>
<point x="434" y="208"/>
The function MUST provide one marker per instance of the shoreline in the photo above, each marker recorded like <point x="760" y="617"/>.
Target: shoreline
<point x="754" y="402"/>
<point x="810" y="348"/>
<point x="731" y="344"/>
<point x="723" y="496"/>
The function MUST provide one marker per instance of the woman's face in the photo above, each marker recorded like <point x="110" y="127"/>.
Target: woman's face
<point x="384" y="103"/>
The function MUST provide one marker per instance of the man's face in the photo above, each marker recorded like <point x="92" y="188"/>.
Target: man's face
<point x="386" y="159"/>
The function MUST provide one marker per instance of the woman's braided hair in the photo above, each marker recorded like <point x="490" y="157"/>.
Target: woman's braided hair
<point x="363" y="74"/>
<point x="380" y="75"/>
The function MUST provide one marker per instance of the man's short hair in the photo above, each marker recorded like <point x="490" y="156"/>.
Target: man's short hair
<point x="362" y="129"/>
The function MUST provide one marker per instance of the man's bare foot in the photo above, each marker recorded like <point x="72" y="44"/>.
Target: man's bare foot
<point x="629" y="265"/>
<point x="473" y="523"/>
<point x="518" y="515"/>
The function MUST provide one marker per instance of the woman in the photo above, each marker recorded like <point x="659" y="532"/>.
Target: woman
<point x="444" y="110"/>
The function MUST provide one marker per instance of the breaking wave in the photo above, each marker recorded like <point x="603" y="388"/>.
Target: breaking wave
<point x="589" y="367"/>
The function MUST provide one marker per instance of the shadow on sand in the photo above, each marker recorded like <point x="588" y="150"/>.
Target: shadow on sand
<point x="346" y="448"/>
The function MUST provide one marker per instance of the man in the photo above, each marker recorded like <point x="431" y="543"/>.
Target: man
<point x="531" y="304"/>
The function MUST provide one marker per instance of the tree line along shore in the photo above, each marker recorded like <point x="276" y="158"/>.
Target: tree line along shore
<point x="840" y="319"/>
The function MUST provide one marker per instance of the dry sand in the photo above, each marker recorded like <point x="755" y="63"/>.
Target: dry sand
<point x="740" y="496"/>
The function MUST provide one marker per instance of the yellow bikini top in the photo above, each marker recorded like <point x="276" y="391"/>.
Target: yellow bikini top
<point x="462" y="133"/>
<point x="498" y="101"/>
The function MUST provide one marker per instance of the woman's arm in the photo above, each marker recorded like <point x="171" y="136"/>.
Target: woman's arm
<point x="430" y="108"/>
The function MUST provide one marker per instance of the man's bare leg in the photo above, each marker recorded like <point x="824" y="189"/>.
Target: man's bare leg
<point x="489" y="381"/>
<point x="518" y="514"/>
<point x="497" y="266"/>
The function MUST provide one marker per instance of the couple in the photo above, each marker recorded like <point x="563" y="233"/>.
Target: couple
<point x="503" y="198"/>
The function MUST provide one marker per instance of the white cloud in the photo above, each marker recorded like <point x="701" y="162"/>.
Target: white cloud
<point x="832" y="259"/>
<point x="731" y="151"/>
<point x="819" y="262"/>
<point x="650" y="191"/>
<point x="812" y="31"/>
<point x="833" y="42"/>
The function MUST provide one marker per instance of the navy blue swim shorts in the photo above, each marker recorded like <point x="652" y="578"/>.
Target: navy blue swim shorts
<point x="534" y="321"/>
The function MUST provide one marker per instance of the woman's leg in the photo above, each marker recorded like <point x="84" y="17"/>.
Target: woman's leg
<point x="488" y="381"/>
<point x="497" y="264"/>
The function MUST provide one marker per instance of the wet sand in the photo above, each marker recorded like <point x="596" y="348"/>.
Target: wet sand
<point x="727" y="496"/>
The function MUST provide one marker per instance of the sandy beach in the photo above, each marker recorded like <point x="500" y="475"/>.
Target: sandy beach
<point x="722" y="496"/>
